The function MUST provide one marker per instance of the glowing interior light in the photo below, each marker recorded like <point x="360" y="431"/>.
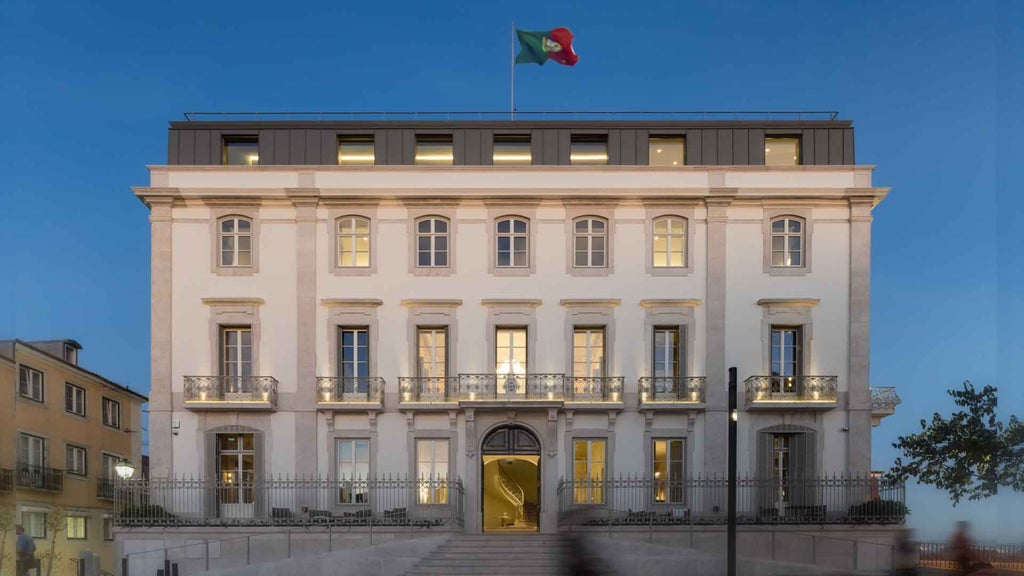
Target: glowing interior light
<point x="659" y="150"/>
<point x="202" y="395"/>
<point x="266" y="396"/>
<point x="693" y="395"/>
<point x="588" y="157"/>
<point x="511" y="157"/>
<point x="472" y="395"/>
<point x="675" y="162"/>
<point x="253" y="159"/>
<point x="434" y="157"/>
<point x="355" y="157"/>
<point x="406" y="396"/>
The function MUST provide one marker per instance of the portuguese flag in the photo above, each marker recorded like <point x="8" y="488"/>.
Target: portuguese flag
<point x="538" y="47"/>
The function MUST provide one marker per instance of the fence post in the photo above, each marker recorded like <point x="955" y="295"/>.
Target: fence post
<point x="124" y="566"/>
<point x="289" y="543"/>
<point x="206" y="553"/>
<point x="330" y="538"/>
<point x="248" y="546"/>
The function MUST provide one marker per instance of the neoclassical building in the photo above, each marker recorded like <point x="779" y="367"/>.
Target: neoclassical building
<point x="512" y="313"/>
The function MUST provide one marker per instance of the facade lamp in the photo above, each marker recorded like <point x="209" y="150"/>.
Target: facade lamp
<point x="124" y="469"/>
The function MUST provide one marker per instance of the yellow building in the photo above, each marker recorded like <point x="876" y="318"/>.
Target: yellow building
<point x="65" y="428"/>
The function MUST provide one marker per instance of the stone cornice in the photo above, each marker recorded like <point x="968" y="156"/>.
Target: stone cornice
<point x="668" y="303"/>
<point x="427" y="302"/>
<point x="221" y="301"/>
<point x="609" y="302"/>
<point x="531" y="302"/>
<point x="351" y="302"/>
<point x="789" y="302"/>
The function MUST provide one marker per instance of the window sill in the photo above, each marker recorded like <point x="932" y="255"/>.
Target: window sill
<point x="783" y="271"/>
<point x="234" y="271"/>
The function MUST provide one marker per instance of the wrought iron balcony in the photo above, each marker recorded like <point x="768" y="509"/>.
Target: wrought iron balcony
<point x="39" y="478"/>
<point x="792" y="391"/>
<point x="6" y="480"/>
<point x="883" y="403"/>
<point x="231" y="392"/>
<point x="357" y="391"/>
<point x="105" y="488"/>
<point x="680" y="390"/>
<point x="428" y="389"/>
<point x="511" y="387"/>
<point x="593" y="389"/>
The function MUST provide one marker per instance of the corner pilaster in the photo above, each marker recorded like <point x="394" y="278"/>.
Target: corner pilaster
<point x="715" y="415"/>
<point x="858" y="437"/>
<point x="307" y="451"/>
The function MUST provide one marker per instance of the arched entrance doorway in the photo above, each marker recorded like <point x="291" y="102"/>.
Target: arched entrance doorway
<point x="510" y="469"/>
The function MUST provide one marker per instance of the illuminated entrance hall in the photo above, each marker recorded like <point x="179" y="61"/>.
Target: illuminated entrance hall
<point x="510" y="458"/>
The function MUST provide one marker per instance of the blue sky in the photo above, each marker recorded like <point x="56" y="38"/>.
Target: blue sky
<point x="86" y="89"/>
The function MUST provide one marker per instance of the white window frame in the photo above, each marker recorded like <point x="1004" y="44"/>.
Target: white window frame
<point x="75" y="456"/>
<point x="590" y="489"/>
<point x="786" y="235"/>
<point x="36" y="527"/>
<point x="109" y="463"/>
<point x="436" y="353"/>
<point x="511" y="236"/>
<point x="668" y="499"/>
<point x="78" y="406"/>
<point x="237" y="367"/>
<point x="82" y="522"/>
<point x="111" y="413"/>
<point x="590" y="350"/>
<point x="433" y="235"/>
<point x="356" y="481"/>
<point x="108" y="528"/>
<point x="31" y="383"/>
<point x="427" y="493"/>
<point x="235" y="234"/>
<point x="589" y="235"/>
<point x="671" y="234"/>
<point x="24" y="446"/>
<point x="347" y="227"/>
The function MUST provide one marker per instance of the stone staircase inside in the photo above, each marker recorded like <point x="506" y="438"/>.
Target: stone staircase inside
<point x="507" y="554"/>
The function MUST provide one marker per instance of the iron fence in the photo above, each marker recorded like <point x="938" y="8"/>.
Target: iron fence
<point x="39" y="477"/>
<point x="6" y="480"/>
<point x="350" y="389"/>
<point x="594" y="388"/>
<point x="261" y="389"/>
<point x="644" y="501"/>
<point x="791" y="389"/>
<point x="689" y="389"/>
<point x="1001" y="557"/>
<point x="701" y="115"/>
<point x="884" y="399"/>
<point x="105" y="488"/>
<point x="511" y="387"/>
<point x="382" y="501"/>
<point x="428" y="388"/>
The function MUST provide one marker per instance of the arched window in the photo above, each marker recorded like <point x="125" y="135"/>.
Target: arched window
<point x="590" y="242"/>
<point x="513" y="241"/>
<point x="235" y="242"/>
<point x="787" y="248"/>
<point x="353" y="242"/>
<point x="432" y="242"/>
<point x="669" y="242"/>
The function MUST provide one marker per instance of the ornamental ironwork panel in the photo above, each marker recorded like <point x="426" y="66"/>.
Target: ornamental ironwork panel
<point x="884" y="399"/>
<point x="428" y="388"/>
<point x="594" y="388"/>
<point x="350" y="389"/>
<point x="681" y="389"/>
<point x="262" y="389"/>
<point x="39" y="477"/>
<point x="511" y="387"/>
<point x="791" y="389"/>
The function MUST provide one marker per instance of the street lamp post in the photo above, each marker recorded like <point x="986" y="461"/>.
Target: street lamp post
<point x="731" y="496"/>
<point x="124" y="469"/>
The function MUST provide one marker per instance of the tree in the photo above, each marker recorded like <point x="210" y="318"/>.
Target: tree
<point x="56" y="522"/>
<point x="6" y="526"/>
<point x="971" y="454"/>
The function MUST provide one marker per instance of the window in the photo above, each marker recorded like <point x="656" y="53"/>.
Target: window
<point x="355" y="151"/>
<point x="111" y="413"/>
<point x="781" y="468"/>
<point x="108" y="528"/>
<point x="432" y="470"/>
<point x="513" y="243"/>
<point x="353" y="470"/>
<point x="353" y="353"/>
<point x="236" y="351"/>
<point x="588" y="469"/>
<point x="353" y="242"/>
<point x="512" y="150"/>
<point x="110" y="466"/>
<point x="787" y="242"/>
<point x="32" y="451"/>
<point x="241" y="151"/>
<point x="666" y="151"/>
<point x="76" y="460"/>
<point x="432" y="352"/>
<point x="434" y="150"/>
<point x="589" y="242"/>
<point x="669" y="242"/>
<point x="588" y="352"/>
<point x="70" y="354"/>
<point x="77" y="527"/>
<point x="667" y="352"/>
<point x="785" y="359"/>
<point x="432" y="243"/>
<point x="782" y="151"/>
<point x="30" y="383"/>
<point x="668" y="470"/>
<point x="510" y="360"/>
<point x="74" y="399"/>
<point x="34" y="523"/>
<point x="589" y="150"/>
<point x="235" y="242"/>
<point x="236" y="468"/>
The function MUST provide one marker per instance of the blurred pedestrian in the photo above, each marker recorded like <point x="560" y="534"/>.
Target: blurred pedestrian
<point x="26" y="551"/>
<point x="961" y="548"/>
<point x="904" y="555"/>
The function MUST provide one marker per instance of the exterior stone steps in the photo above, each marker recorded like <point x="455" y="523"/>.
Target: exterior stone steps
<point x="501" y="554"/>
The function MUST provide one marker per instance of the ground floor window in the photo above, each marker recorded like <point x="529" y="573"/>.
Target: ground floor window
<point x="668" y="466"/>
<point x="236" y="467"/>
<point x="353" y="470"/>
<point x="77" y="527"/>
<point x="588" y="471"/>
<point x="108" y="528"/>
<point x="34" y="522"/>
<point x="432" y="471"/>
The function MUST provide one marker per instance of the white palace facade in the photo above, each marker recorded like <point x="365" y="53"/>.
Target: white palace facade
<point x="518" y="315"/>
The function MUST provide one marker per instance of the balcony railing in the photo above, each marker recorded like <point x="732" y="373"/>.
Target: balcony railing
<point x="676" y="390"/>
<point x="884" y="400"/>
<point x="351" y="389"/>
<point x="807" y="390"/>
<point x="593" y="389"/>
<point x="6" y="480"/>
<point x="817" y="500"/>
<point x="105" y="488"/>
<point x="428" y="389"/>
<point x="380" y="501"/>
<point x="39" y="478"/>
<point x="508" y="387"/>
<point x="259" y="391"/>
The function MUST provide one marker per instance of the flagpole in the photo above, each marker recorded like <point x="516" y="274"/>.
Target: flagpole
<point x="512" y="75"/>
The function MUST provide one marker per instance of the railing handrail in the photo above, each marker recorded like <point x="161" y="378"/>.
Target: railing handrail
<point x="805" y="387"/>
<point x="634" y="115"/>
<point x="343" y="388"/>
<point x="216" y="387"/>
<point x="884" y="398"/>
<point x="690" y="389"/>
